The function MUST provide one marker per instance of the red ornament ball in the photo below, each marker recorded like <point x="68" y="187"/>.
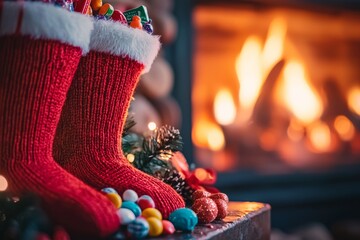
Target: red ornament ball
<point x="222" y="196"/>
<point x="205" y="209"/>
<point x="222" y="207"/>
<point x="200" y="194"/>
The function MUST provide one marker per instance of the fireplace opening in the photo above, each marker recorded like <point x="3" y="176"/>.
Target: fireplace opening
<point x="275" y="89"/>
<point x="270" y="95"/>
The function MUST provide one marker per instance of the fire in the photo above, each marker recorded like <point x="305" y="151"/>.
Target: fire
<point x="354" y="100"/>
<point x="216" y="139"/>
<point x="208" y="135"/>
<point x="224" y="108"/>
<point x="273" y="48"/>
<point x="320" y="136"/>
<point x="249" y="72"/>
<point x="300" y="99"/>
<point x="344" y="128"/>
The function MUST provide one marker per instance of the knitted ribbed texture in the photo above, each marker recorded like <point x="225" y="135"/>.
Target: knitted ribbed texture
<point x="88" y="139"/>
<point x="34" y="78"/>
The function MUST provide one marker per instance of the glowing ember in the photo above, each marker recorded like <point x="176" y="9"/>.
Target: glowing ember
<point x="344" y="128"/>
<point x="248" y="69"/>
<point x="273" y="48"/>
<point x="224" y="108"/>
<point x="354" y="100"/>
<point x="3" y="183"/>
<point x="300" y="99"/>
<point x="320" y="136"/>
<point x="152" y="126"/>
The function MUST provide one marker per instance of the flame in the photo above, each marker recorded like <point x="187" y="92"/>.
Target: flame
<point x="3" y="183"/>
<point x="295" y="131"/>
<point x="320" y="136"/>
<point x="274" y="45"/>
<point x="209" y="135"/>
<point x="300" y="99"/>
<point x="216" y="139"/>
<point x="354" y="100"/>
<point x="344" y="128"/>
<point x="224" y="108"/>
<point x="248" y="69"/>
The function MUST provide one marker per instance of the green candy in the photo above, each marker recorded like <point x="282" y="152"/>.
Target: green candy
<point x="139" y="11"/>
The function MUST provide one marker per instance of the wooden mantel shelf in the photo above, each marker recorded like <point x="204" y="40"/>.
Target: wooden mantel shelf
<point x="245" y="221"/>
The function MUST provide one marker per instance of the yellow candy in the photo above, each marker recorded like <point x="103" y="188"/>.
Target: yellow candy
<point x="115" y="199"/>
<point x="96" y="4"/>
<point x="155" y="226"/>
<point x="151" y="212"/>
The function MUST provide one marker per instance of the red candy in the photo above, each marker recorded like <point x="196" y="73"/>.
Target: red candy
<point x="222" y="196"/>
<point x="222" y="208"/>
<point x="119" y="17"/>
<point x="200" y="194"/>
<point x="168" y="227"/>
<point x="145" y="203"/>
<point x="205" y="209"/>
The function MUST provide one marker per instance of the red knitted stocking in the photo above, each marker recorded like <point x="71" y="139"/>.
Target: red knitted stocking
<point x="88" y="139"/>
<point x="35" y="75"/>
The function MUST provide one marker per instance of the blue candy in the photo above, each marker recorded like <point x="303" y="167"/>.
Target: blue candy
<point x="184" y="219"/>
<point x="132" y="207"/>
<point x="139" y="228"/>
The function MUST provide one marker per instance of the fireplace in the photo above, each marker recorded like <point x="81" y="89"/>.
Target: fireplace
<point x="275" y="102"/>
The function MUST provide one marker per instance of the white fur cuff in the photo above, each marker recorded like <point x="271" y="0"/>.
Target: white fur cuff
<point x="45" y="21"/>
<point x="121" y="40"/>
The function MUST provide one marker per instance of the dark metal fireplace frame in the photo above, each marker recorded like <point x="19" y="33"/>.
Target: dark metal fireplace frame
<point x="297" y="198"/>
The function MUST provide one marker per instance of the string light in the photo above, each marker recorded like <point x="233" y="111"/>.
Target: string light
<point x="130" y="157"/>
<point x="152" y="126"/>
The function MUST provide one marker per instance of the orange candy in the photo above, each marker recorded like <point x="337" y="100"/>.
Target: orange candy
<point x="136" y="22"/>
<point x="106" y="10"/>
<point x="96" y="4"/>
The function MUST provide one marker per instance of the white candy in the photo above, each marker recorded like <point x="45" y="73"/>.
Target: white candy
<point x="130" y="195"/>
<point x="126" y="216"/>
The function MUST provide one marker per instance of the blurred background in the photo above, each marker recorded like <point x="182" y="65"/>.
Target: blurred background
<point x="267" y="93"/>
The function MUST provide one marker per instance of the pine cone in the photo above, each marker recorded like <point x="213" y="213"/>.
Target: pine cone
<point x="174" y="179"/>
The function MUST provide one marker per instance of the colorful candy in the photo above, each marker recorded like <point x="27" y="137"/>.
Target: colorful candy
<point x="145" y="201"/>
<point x="151" y="212"/>
<point x="130" y="195"/>
<point x="115" y="199"/>
<point x="148" y="27"/>
<point x="126" y="216"/>
<point x="139" y="228"/>
<point x="155" y="225"/>
<point x="132" y="207"/>
<point x="106" y="10"/>
<point x="96" y="4"/>
<point x="118" y="17"/>
<point x="139" y="11"/>
<point x="136" y="22"/>
<point x="183" y="219"/>
<point x="168" y="227"/>
<point x="205" y="209"/>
